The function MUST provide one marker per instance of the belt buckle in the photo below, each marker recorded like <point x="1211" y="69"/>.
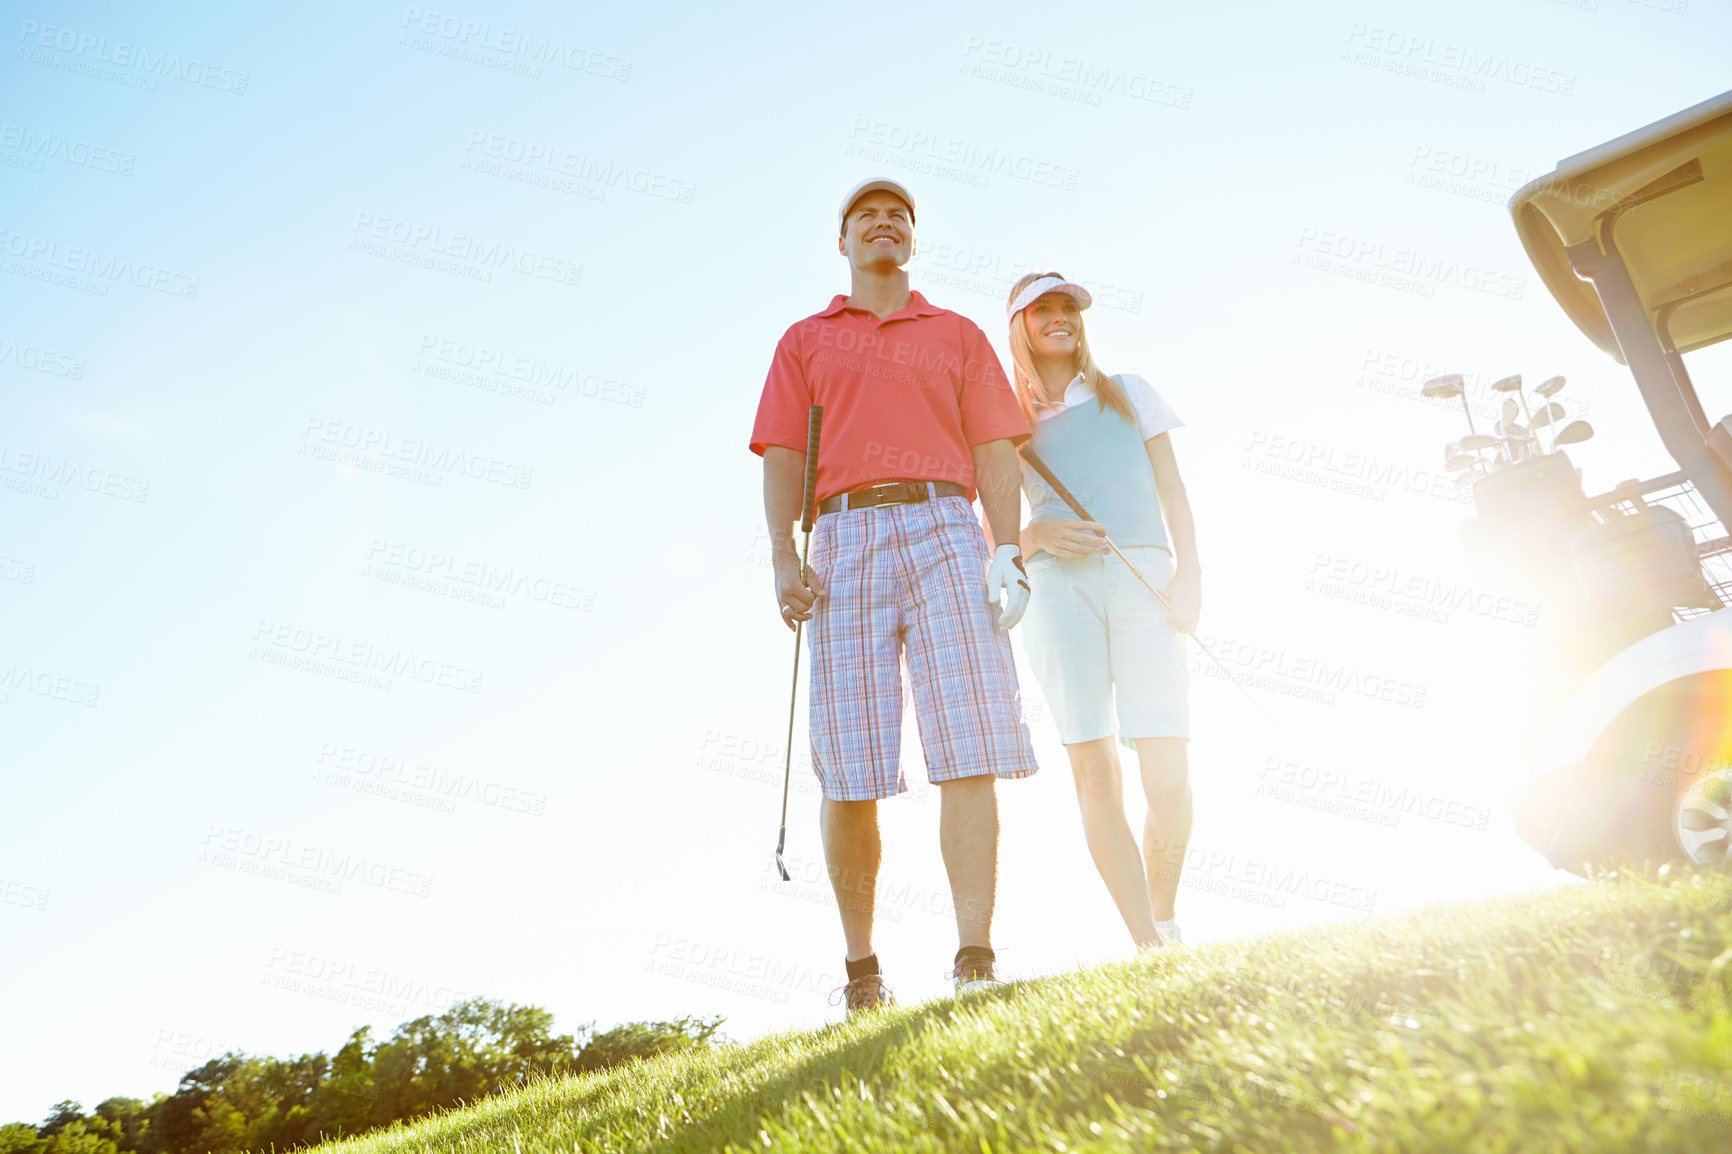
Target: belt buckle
<point x="882" y="494"/>
<point x="891" y="493"/>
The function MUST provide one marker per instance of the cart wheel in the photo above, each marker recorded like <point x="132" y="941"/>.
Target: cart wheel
<point x="1656" y="789"/>
<point x="1702" y="824"/>
<point x="1685" y="779"/>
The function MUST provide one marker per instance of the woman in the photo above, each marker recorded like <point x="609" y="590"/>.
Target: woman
<point x="1092" y="631"/>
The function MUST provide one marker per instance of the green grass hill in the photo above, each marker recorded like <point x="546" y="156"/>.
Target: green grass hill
<point x="1584" y="1018"/>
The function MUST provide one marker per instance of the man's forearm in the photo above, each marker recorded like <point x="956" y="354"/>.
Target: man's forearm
<point x="998" y="478"/>
<point x="784" y="489"/>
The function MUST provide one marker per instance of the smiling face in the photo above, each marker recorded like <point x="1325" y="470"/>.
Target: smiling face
<point x="1054" y="326"/>
<point x="879" y="233"/>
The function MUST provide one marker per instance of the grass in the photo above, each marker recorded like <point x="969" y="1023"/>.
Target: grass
<point x="1580" y="1019"/>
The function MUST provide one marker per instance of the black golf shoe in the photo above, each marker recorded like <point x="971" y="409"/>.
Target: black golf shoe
<point x="867" y="993"/>
<point x="974" y="971"/>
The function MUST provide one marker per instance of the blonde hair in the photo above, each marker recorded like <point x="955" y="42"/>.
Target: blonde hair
<point x="1029" y="388"/>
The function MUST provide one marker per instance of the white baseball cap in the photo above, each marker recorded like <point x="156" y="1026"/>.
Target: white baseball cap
<point x="872" y="184"/>
<point x="1036" y="289"/>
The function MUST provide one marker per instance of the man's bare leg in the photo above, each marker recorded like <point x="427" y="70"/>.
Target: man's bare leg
<point x="1100" y="796"/>
<point x="852" y="851"/>
<point x="968" y="838"/>
<point x="1167" y="833"/>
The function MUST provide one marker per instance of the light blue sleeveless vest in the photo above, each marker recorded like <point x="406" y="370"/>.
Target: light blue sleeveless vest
<point x="1100" y="457"/>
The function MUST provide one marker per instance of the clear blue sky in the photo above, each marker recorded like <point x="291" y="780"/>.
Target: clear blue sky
<point x="384" y="606"/>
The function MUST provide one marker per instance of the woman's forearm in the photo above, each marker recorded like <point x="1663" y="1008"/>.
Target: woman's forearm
<point x="1183" y="524"/>
<point x="1029" y="544"/>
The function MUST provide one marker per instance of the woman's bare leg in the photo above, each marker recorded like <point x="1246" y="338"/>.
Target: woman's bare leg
<point x="1100" y="794"/>
<point x="1167" y="832"/>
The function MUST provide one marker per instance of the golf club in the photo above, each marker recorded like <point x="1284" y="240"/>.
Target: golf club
<point x="814" y="419"/>
<point x="1057" y="486"/>
<point x="1474" y="442"/>
<point x="1522" y="441"/>
<point x="1513" y="384"/>
<point x="1575" y="431"/>
<point x="1546" y="389"/>
<point x="1448" y="386"/>
<point x="1550" y="413"/>
<point x="1456" y="462"/>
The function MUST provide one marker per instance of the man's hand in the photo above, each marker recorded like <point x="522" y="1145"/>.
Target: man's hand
<point x="795" y="598"/>
<point x="1185" y="594"/>
<point x="1063" y="537"/>
<point x="1006" y="574"/>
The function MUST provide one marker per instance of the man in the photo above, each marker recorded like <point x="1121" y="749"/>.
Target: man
<point x="917" y="410"/>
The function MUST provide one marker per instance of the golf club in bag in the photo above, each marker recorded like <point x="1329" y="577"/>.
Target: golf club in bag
<point x="814" y="420"/>
<point x="1057" y="486"/>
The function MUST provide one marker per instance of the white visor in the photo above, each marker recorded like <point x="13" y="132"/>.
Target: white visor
<point x="1048" y="284"/>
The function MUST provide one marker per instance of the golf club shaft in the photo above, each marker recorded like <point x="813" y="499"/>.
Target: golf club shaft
<point x="808" y="514"/>
<point x="1065" y="495"/>
<point x="793" y="697"/>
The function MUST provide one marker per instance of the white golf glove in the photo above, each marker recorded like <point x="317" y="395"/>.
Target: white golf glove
<point x="1007" y="575"/>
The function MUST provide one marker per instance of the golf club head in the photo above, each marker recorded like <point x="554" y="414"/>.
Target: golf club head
<point x="1458" y="461"/>
<point x="1474" y="441"/>
<point x="782" y="869"/>
<point x="1445" y="387"/>
<point x="1547" y="413"/>
<point x="1549" y="386"/>
<point x="1508" y="385"/>
<point x="1511" y="410"/>
<point x="1575" y="432"/>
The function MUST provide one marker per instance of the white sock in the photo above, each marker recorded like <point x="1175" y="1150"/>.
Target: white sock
<point x="1169" y="930"/>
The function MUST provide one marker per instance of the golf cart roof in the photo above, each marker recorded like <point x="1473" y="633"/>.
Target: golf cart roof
<point x="1668" y="188"/>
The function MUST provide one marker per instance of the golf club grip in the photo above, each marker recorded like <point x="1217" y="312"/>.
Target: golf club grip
<point x="1057" y="486"/>
<point x="814" y="423"/>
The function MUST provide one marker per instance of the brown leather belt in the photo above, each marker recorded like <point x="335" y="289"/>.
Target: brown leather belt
<point x="890" y="493"/>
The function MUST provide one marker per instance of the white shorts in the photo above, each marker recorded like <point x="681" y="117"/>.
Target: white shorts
<point x="1094" y="634"/>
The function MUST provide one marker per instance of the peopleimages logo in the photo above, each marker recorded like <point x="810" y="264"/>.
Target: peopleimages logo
<point x="423" y="244"/>
<point x="555" y="161"/>
<point x="280" y="644"/>
<point x="495" y="370"/>
<point x="39" y="146"/>
<point x="88" y="49"/>
<point x="104" y="267"/>
<point x="1364" y="258"/>
<point x="941" y="148"/>
<point x="528" y="48"/>
<point x="335" y="435"/>
<point x="483" y="577"/>
<point x="281" y="859"/>
<point x="1456" y="65"/>
<point x="44" y="473"/>
<point x="1068" y="77"/>
<point x="27" y="680"/>
<point x="38" y="359"/>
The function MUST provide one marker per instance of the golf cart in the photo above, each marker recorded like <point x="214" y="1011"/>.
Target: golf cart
<point x="1634" y="240"/>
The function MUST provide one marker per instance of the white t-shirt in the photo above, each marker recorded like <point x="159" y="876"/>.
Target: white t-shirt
<point x="1154" y="415"/>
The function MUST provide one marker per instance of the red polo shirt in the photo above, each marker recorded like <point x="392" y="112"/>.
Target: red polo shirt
<point x="905" y="397"/>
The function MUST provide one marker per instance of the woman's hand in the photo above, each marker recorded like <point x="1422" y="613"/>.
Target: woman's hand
<point x="1185" y="595"/>
<point x="1065" y="538"/>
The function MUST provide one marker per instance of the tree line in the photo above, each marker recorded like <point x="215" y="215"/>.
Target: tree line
<point x="239" y="1102"/>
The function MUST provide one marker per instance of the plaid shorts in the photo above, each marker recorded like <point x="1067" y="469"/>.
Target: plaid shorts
<point x="909" y="580"/>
